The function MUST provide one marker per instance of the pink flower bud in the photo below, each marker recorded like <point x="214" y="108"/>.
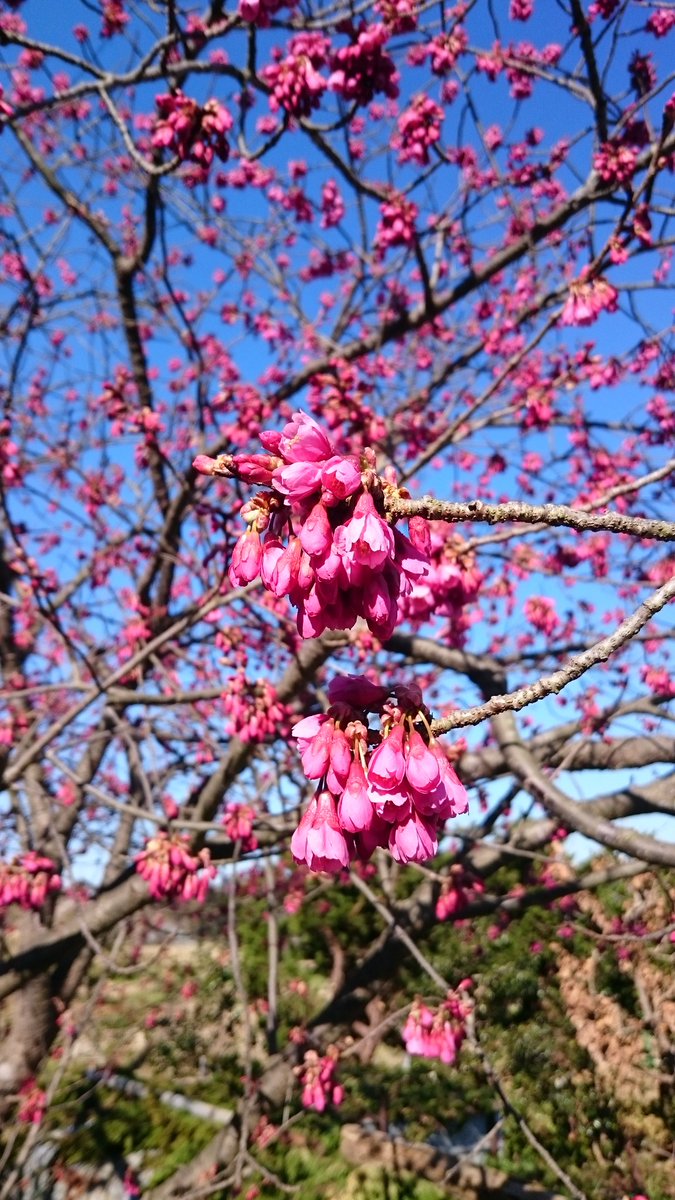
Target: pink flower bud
<point x="355" y="809"/>
<point x="204" y="465"/>
<point x="316" y="534"/>
<point x="420" y="535"/>
<point x="421" y="768"/>
<point x="340" y="478"/>
<point x="254" y="468"/>
<point x="387" y="765"/>
<point x="413" y="840"/>
<point x="246" y="558"/>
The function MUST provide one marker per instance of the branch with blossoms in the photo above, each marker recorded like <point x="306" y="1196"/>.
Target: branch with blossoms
<point x="343" y="560"/>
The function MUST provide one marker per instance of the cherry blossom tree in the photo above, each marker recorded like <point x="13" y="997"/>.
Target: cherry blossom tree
<point x="337" y="432"/>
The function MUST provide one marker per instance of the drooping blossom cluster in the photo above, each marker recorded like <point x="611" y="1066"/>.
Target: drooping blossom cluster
<point x="400" y="16"/>
<point x="28" y="881"/>
<point x="295" y="82"/>
<point x="615" y="162"/>
<point x="438" y="1033"/>
<point x="333" y="206"/>
<point x="171" y="872"/>
<point x="114" y="18"/>
<point x="450" y="587"/>
<point x="362" y="69"/>
<point x="238" y="821"/>
<point x="192" y="131"/>
<point x="521" y="10"/>
<point x="419" y="128"/>
<point x="661" y="21"/>
<point x="445" y="49"/>
<point x="260" y="12"/>
<point x="326" y="544"/>
<point x="397" y="224"/>
<point x="391" y="786"/>
<point x="460" y="889"/>
<point x="255" y="712"/>
<point x="32" y="1103"/>
<point x="318" y="1079"/>
<point x="587" y="299"/>
<point x="603" y="8"/>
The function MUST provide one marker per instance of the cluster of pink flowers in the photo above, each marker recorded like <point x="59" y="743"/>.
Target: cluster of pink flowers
<point x="341" y="559"/>
<point x="363" y="68"/>
<point x="191" y="131"/>
<point x="397" y="225"/>
<point x="456" y="892"/>
<point x="452" y="583"/>
<point x="332" y="205"/>
<point x="540" y="611"/>
<point x="171" y="872"/>
<point x="445" y="49"/>
<point x="114" y="18"/>
<point x="238" y="822"/>
<point x="255" y="712"/>
<point x="28" y="881"/>
<point x="32" y="1103"/>
<point x="439" y="1033"/>
<point x="615" y="162"/>
<point x="661" y="21"/>
<point x="260" y="12"/>
<point x="318" y="1080"/>
<point x="587" y="299"/>
<point x="521" y="10"/>
<point x="296" y="84"/>
<point x="400" y="16"/>
<point x="518" y="61"/>
<point x="603" y="8"/>
<point x="419" y="128"/>
<point x="393" y="787"/>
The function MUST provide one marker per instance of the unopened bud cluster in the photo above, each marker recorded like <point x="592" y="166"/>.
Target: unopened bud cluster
<point x="171" y="872"/>
<point x="325" y="543"/>
<point x="390" y="786"/>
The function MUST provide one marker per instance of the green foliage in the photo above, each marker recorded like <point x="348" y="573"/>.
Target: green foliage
<point x="521" y="1016"/>
<point x="617" y="983"/>
<point x="106" y="1126"/>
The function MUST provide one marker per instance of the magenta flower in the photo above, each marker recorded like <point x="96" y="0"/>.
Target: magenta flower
<point x="246" y="558"/>
<point x="340" y="478"/>
<point x="421" y="767"/>
<point x="303" y="440"/>
<point x="319" y="841"/>
<point x="397" y="795"/>
<point x="297" y="480"/>
<point x="387" y="765"/>
<point x="365" y="540"/>
<point x="355" y="808"/>
<point x="413" y="840"/>
<point x="316" y="534"/>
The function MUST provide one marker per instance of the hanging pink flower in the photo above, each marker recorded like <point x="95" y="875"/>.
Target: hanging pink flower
<point x="319" y="534"/>
<point x="394" y="788"/>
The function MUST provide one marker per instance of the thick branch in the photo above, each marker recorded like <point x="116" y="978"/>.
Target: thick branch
<point x="532" y="514"/>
